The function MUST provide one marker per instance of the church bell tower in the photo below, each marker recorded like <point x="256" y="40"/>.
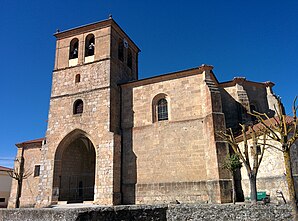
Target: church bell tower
<point x="81" y="159"/>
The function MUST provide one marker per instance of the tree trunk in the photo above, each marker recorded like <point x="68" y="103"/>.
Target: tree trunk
<point x="19" y="189"/>
<point x="290" y="182"/>
<point x="233" y="189"/>
<point x="253" y="188"/>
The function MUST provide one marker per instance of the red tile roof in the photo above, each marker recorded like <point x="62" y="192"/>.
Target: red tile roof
<point x="5" y="168"/>
<point x="39" y="140"/>
<point x="273" y="121"/>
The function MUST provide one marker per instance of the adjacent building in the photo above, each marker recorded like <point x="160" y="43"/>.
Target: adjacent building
<point x="5" y="186"/>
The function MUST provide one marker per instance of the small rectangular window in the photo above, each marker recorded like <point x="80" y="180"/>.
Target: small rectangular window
<point x="2" y="200"/>
<point x="36" y="170"/>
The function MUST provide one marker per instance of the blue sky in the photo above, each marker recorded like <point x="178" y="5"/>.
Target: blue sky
<point x="255" y="39"/>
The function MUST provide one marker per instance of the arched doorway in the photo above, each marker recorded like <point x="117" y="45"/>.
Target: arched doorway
<point x="74" y="170"/>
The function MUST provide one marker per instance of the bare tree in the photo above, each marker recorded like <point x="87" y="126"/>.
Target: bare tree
<point x="282" y="129"/>
<point x="19" y="175"/>
<point x="232" y="163"/>
<point x="250" y="158"/>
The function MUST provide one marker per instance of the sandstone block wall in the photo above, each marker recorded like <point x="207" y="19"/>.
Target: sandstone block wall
<point x="101" y="49"/>
<point x="93" y="123"/>
<point x="32" y="157"/>
<point x="100" y="120"/>
<point x="238" y="95"/>
<point x="164" y="161"/>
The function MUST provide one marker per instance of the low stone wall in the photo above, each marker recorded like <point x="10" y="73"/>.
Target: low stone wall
<point x="229" y="212"/>
<point x="152" y="212"/>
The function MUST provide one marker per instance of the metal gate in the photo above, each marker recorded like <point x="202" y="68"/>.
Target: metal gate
<point x="75" y="189"/>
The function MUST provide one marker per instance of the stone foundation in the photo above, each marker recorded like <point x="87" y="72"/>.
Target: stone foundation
<point x="156" y="212"/>
<point x="186" y="192"/>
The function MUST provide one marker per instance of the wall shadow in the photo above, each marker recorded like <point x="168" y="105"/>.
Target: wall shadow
<point x="129" y="159"/>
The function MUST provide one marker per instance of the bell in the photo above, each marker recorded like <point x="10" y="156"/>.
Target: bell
<point x="91" y="46"/>
<point x="75" y="51"/>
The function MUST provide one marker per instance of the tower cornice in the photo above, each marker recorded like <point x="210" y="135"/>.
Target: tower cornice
<point x="91" y="27"/>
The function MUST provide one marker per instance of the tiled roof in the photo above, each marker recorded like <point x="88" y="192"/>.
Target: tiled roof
<point x="5" y="168"/>
<point x="39" y="140"/>
<point x="273" y="121"/>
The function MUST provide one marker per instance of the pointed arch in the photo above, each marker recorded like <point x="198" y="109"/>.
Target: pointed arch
<point x="68" y="138"/>
<point x="74" y="168"/>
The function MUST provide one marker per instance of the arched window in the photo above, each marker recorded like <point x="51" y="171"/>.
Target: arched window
<point x="162" y="109"/>
<point x="78" y="78"/>
<point x="78" y="107"/>
<point x="120" y="50"/>
<point x="89" y="45"/>
<point x="129" y="58"/>
<point x="74" y="48"/>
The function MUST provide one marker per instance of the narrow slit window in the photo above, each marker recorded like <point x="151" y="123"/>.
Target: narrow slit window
<point x="78" y="78"/>
<point x="162" y="109"/>
<point x="129" y="58"/>
<point x="120" y="50"/>
<point x="36" y="170"/>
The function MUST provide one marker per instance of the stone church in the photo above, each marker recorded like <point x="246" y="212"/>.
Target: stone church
<point x="113" y="138"/>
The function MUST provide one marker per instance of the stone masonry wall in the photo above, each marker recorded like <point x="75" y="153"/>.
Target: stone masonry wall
<point x="164" y="161"/>
<point x="237" y="96"/>
<point x="94" y="123"/>
<point x="258" y="96"/>
<point x="156" y="212"/>
<point x="231" y="107"/>
<point x="100" y="120"/>
<point x="101" y="49"/>
<point x="32" y="157"/>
